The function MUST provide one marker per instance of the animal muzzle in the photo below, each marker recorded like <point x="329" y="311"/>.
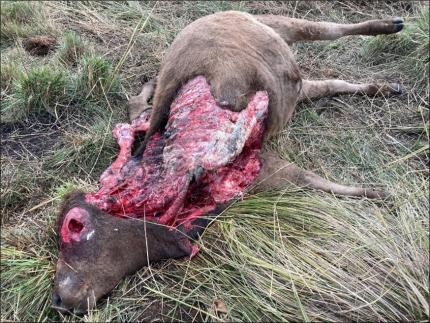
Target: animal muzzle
<point x="68" y="302"/>
<point x="69" y="305"/>
<point x="71" y="294"/>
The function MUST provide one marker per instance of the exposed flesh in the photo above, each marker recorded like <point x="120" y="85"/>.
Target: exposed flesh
<point x="205" y="157"/>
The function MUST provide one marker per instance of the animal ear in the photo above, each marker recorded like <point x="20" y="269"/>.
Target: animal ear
<point x="75" y="223"/>
<point x="75" y="226"/>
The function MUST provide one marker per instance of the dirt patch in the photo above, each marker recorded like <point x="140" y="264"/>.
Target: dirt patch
<point x="39" y="45"/>
<point x="20" y="141"/>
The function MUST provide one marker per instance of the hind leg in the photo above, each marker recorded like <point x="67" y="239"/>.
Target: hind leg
<point x="293" y="30"/>
<point x="317" y="89"/>
<point x="276" y="173"/>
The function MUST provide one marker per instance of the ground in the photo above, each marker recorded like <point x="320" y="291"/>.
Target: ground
<point x="67" y="70"/>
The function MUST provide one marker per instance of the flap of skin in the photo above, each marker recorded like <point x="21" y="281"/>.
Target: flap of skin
<point x="206" y="156"/>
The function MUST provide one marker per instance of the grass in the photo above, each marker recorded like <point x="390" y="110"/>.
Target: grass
<point x="71" y="48"/>
<point x="13" y="16"/>
<point x="85" y="150"/>
<point x="276" y="256"/>
<point x="41" y="89"/>
<point x="300" y="250"/>
<point x="19" y="180"/>
<point x="410" y="48"/>
<point x="23" y="19"/>
<point x="55" y="90"/>
<point x="9" y="72"/>
<point x="96" y="78"/>
<point x="31" y="276"/>
<point x="203" y="8"/>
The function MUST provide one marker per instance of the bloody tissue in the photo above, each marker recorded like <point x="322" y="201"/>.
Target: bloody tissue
<point x="206" y="156"/>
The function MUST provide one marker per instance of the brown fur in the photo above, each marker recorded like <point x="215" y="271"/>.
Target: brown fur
<point x="239" y="54"/>
<point x="139" y="103"/>
<point x="293" y="29"/>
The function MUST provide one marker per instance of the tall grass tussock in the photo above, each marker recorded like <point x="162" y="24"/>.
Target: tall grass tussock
<point x="41" y="89"/>
<point x="96" y="78"/>
<point x="71" y="48"/>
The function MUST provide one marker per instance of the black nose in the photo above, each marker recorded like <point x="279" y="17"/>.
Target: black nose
<point x="56" y="300"/>
<point x="57" y="303"/>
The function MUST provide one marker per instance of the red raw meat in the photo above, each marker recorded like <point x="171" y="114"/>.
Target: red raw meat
<point x="206" y="156"/>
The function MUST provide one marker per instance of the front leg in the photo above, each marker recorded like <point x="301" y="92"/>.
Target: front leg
<point x="276" y="173"/>
<point x="318" y="89"/>
<point x="138" y="104"/>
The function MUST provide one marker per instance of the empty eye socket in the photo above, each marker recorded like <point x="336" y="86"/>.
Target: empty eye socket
<point x="75" y="226"/>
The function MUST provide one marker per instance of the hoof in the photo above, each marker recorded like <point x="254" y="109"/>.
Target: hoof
<point x="385" y="26"/>
<point x="396" y="88"/>
<point x="376" y="194"/>
<point x="398" y="24"/>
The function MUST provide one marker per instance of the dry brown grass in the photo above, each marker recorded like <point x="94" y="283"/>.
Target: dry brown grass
<point x="288" y="255"/>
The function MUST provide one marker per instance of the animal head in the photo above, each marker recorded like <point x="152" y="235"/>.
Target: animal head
<point x="98" y="249"/>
